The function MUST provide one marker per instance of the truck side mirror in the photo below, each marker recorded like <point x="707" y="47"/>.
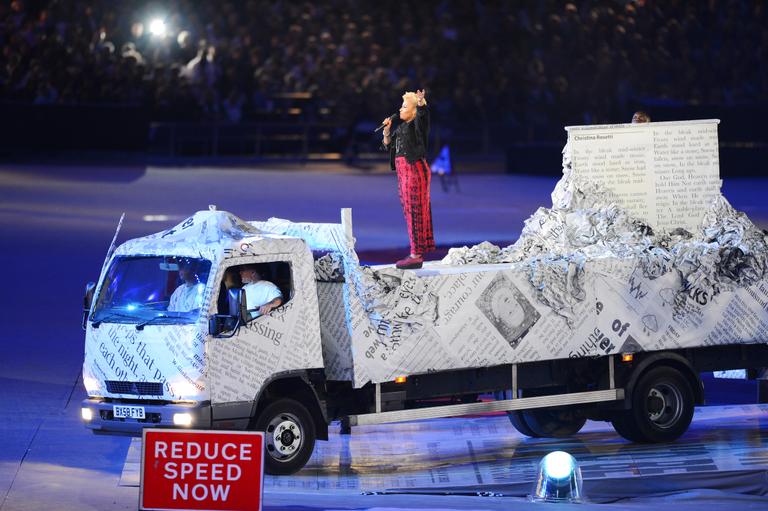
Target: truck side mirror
<point x="219" y="323"/>
<point x="216" y="324"/>
<point x="237" y="306"/>
<point x="90" y="288"/>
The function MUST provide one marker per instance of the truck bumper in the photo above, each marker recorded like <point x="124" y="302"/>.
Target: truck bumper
<point x="156" y="416"/>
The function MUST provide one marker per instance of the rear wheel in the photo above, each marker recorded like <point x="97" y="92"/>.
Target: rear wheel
<point x="517" y="419"/>
<point x="546" y="422"/>
<point x="289" y="436"/>
<point x="555" y="422"/>
<point x="662" y="405"/>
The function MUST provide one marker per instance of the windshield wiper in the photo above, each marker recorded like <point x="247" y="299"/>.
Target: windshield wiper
<point x="140" y="326"/>
<point x="112" y="315"/>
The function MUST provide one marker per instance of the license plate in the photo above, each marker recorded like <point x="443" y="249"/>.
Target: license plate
<point x="128" y="412"/>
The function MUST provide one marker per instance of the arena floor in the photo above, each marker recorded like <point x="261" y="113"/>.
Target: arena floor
<point x="56" y="224"/>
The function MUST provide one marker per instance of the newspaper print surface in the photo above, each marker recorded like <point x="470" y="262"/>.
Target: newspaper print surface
<point x="587" y="277"/>
<point x="173" y="357"/>
<point x="286" y="339"/>
<point x="185" y="359"/>
<point x="662" y="173"/>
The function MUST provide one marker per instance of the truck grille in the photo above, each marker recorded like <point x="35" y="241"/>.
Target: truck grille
<point x="137" y="388"/>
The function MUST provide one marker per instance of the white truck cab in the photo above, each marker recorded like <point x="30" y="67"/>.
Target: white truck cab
<point x="167" y="344"/>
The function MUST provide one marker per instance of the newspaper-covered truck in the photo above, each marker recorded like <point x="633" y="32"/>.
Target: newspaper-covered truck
<point x="608" y="307"/>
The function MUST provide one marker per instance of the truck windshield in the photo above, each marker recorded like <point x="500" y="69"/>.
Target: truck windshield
<point x="157" y="289"/>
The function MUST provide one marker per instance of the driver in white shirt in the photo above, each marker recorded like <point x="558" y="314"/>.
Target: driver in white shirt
<point x="188" y="296"/>
<point x="261" y="295"/>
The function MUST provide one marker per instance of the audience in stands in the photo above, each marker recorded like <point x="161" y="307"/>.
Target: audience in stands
<point x="521" y="63"/>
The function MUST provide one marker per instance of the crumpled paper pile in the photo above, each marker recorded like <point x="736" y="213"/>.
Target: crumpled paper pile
<point x="329" y="268"/>
<point x="585" y="223"/>
<point x="391" y="296"/>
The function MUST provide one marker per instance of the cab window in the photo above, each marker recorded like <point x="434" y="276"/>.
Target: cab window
<point x="138" y="289"/>
<point x="269" y="284"/>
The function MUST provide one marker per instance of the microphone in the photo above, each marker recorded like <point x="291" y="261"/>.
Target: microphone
<point x="391" y="117"/>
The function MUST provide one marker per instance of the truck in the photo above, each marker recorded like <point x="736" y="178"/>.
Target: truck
<point x="590" y="315"/>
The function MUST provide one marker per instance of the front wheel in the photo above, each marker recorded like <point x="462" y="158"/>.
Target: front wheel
<point x="662" y="408"/>
<point x="289" y="436"/>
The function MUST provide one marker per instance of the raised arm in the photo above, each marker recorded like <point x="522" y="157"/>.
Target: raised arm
<point x="422" y="116"/>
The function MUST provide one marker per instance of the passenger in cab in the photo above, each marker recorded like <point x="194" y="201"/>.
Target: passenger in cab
<point x="261" y="295"/>
<point x="189" y="295"/>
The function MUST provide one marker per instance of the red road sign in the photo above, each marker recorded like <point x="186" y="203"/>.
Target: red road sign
<point x="201" y="470"/>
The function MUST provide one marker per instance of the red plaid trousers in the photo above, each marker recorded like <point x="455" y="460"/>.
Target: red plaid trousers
<point x="413" y="181"/>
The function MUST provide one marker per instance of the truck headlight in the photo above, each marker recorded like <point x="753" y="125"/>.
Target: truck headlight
<point x="182" y="419"/>
<point x="91" y="385"/>
<point x="86" y="414"/>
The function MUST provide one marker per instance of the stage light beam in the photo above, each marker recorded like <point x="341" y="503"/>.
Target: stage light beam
<point x="158" y="28"/>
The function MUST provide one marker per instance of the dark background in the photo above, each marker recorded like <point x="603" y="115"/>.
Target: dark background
<point x="247" y="81"/>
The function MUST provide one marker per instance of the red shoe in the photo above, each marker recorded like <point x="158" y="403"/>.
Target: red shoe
<point x="410" y="263"/>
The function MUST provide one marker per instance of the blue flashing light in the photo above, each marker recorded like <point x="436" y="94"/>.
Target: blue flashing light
<point x="559" y="464"/>
<point x="559" y="479"/>
<point x="131" y="307"/>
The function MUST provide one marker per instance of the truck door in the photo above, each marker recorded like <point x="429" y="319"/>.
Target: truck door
<point x="286" y="338"/>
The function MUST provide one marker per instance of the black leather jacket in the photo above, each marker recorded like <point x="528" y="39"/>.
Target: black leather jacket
<point x="410" y="139"/>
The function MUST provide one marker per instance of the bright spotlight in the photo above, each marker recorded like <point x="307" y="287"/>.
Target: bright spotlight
<point x="559" y="479"/>
<point x="157" y="27"/>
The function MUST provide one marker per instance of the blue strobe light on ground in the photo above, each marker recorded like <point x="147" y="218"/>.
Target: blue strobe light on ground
<point x="559" y="479"/>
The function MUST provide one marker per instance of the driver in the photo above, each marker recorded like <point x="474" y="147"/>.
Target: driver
<point x="261" y="295"/>
<point x="189" y="295"/>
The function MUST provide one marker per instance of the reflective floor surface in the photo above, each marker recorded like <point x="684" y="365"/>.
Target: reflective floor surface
<point x="56" y="223"/>
<point x="466" y="455"/>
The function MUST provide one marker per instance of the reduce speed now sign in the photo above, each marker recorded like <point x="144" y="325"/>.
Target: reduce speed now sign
<point x="201" y="470"/>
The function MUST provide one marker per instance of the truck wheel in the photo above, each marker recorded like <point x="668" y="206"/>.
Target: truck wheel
<point x="662" y="407"/>
<point x="289" y="436"/>
<point x="554" y="422"/>
<point x="518" y="421"/>
<point x="623" y="424"/>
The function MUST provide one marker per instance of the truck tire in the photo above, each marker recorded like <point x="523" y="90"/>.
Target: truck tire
<point x="289" y="433"/>
<point x="518" y="422"/>
<point x="662" y="405"/>
<point x="554" y="422"/>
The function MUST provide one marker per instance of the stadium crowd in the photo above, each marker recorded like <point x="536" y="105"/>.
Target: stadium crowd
<point x="513" y="62"/>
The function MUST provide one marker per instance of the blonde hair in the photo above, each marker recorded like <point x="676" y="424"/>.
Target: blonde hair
<point x="411" y="97"/>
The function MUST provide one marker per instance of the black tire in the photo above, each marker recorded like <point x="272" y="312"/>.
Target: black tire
<point x="518" y="421"/>
<point x="662" y="408"/>
<point x="289" y="436"/>
<point x="515" y="416"/>
<point x="554" y="422"/>
<point x="623" y="424"/>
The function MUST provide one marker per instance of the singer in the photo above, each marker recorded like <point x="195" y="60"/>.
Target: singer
<point x="407" y="147"/>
